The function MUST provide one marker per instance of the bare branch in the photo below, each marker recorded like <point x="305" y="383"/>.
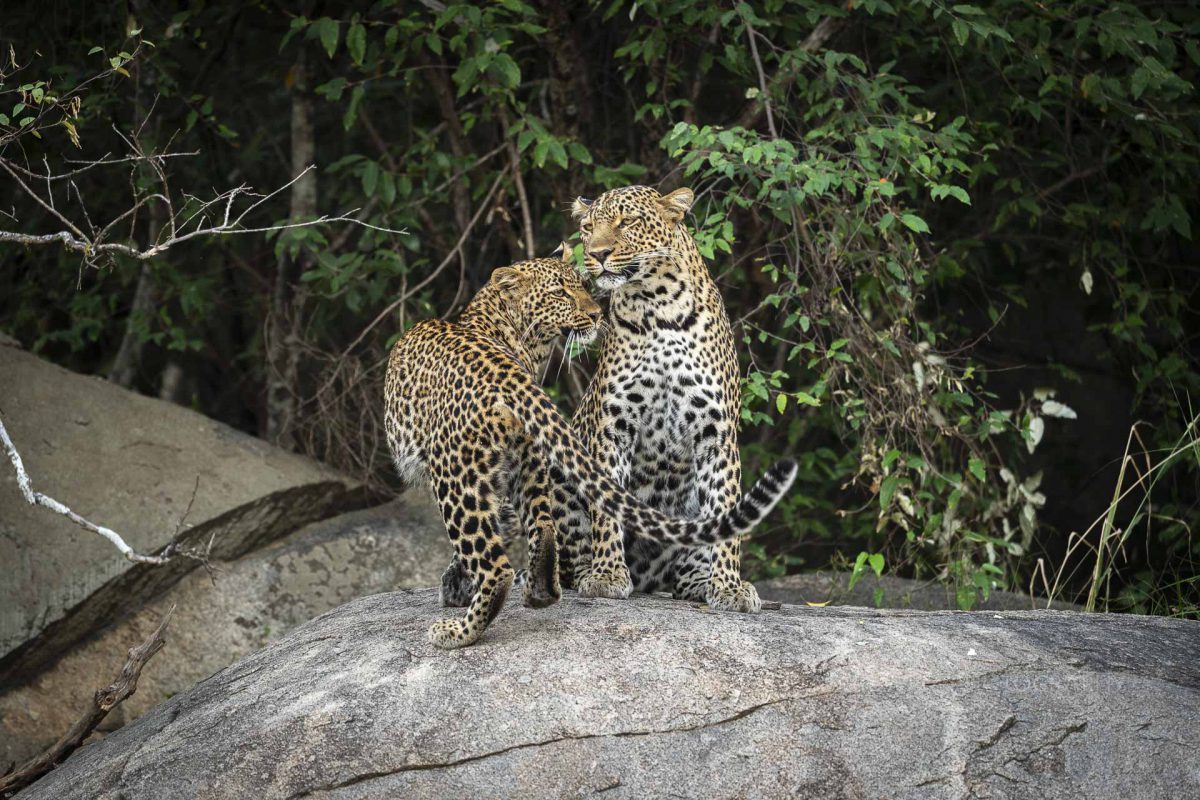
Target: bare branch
<point x="103" y="161"/>
<point x="39" y="499"/>
<point x="5" y="166"/>
<point x="822" y="33"/>
<point x="514" y="162"/>
<point x="231" y="220"/>
<point x="104" y="701"/>
<point x="762" y="80"/>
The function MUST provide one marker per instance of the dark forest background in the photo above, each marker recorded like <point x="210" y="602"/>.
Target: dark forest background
<point x="955" y="240"/>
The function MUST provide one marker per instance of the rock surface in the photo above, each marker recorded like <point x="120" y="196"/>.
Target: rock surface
<point x="255" y="600"/>
<point x="651" y="697"/>
<point x="131" y="463"/>
<point x="888" y="591"/>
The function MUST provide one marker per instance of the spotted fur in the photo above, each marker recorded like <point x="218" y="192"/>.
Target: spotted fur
<point x="464" y="410"/>
<point x="661" y="412"/>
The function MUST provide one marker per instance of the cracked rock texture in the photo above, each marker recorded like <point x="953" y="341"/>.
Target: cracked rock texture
<point x="654" y="698"/>
<point x="133" y="464"/>
<point x="257" y="599"/>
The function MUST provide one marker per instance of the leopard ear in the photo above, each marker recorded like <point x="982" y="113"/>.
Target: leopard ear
<point x="677" y="203"/>
<point x="580" y="207"/>
<point x="505" y="278"/>
<point x="565" y="252"/>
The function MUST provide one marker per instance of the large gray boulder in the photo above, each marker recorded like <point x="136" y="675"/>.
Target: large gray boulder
<point x="255" y="600"/>
<point x="652" y="698"/>
<point x="133" y="464"/>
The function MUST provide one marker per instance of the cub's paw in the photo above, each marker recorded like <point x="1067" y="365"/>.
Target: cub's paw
<point x="449" y="634"/>
<point x="742" y="598"/>
<point x="535" y="593"/>
<point x="615" y="585"/>
<point x="458" y="587"/>
<point x="539" y="596"/>
<point x="520" y="578"/>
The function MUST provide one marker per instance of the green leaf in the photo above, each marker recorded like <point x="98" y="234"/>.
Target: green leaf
<point x="352" y="109"/>
<point x="914" y="223"/>
<point x="886" y="490"/>
<point x="965" y="596"/>
<point x="332" y="90"/>
<point x="781" y="402"/>
<point x="507" y="70"/>
<point x="1139" y="81"/>
<point x="370" y="178"/>
<point x="857" y="571"/>
<point x="975" y="465"/>
<point x="388" y="188"/>
<point x="327" y="31"/>
<point x="356" y="42"/>
<point x="961" y="31"/>
<point x="876" y="562"/>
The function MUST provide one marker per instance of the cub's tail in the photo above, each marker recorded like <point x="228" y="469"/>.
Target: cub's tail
<point x="540" y="420"/>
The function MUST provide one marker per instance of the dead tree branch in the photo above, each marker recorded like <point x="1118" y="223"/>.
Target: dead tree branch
<point x="220" y="216"/>
<point x="104" y="701"/>
<point x="39" y="499"/>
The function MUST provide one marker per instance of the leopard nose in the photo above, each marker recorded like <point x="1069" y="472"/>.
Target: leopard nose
<point x="596" y="316"/>
<point x="600" y="255"/>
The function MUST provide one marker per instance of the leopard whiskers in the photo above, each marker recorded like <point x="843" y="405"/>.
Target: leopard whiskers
<point x="639" y="259"/>
<point x="566" y="356"/>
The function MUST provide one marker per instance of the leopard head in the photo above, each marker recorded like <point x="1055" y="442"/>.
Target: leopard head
<point x="624" y="229"/>
<point x="547" y="296"/>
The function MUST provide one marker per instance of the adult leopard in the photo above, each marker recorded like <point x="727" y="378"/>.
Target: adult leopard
<point x="463" y="411"/>
<point x="661" y="412"/>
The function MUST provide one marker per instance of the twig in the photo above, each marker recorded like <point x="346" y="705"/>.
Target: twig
<point x="104" y="701"/>
<point x="514" y="162"/>
<point x="39" y="499"/>
<point x="821" y="34"/>
<point x="762" y="80"/>
<point x="226" y="221"/>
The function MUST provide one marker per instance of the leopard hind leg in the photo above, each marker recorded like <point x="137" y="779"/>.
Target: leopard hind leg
<point x="473" y="520"/>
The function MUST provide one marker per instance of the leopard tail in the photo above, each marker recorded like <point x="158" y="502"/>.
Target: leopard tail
<point x="542" y="422"/>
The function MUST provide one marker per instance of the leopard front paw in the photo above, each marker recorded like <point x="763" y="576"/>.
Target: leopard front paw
<point x="613" y="584"/>
<point x="743" y="597"/>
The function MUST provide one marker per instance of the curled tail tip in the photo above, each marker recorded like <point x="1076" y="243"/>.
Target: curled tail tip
<point x="784" y="472"/>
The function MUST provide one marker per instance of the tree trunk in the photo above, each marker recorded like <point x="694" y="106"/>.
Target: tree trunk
<point x="283" y="355"/>
<point x="129" y="356"/>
